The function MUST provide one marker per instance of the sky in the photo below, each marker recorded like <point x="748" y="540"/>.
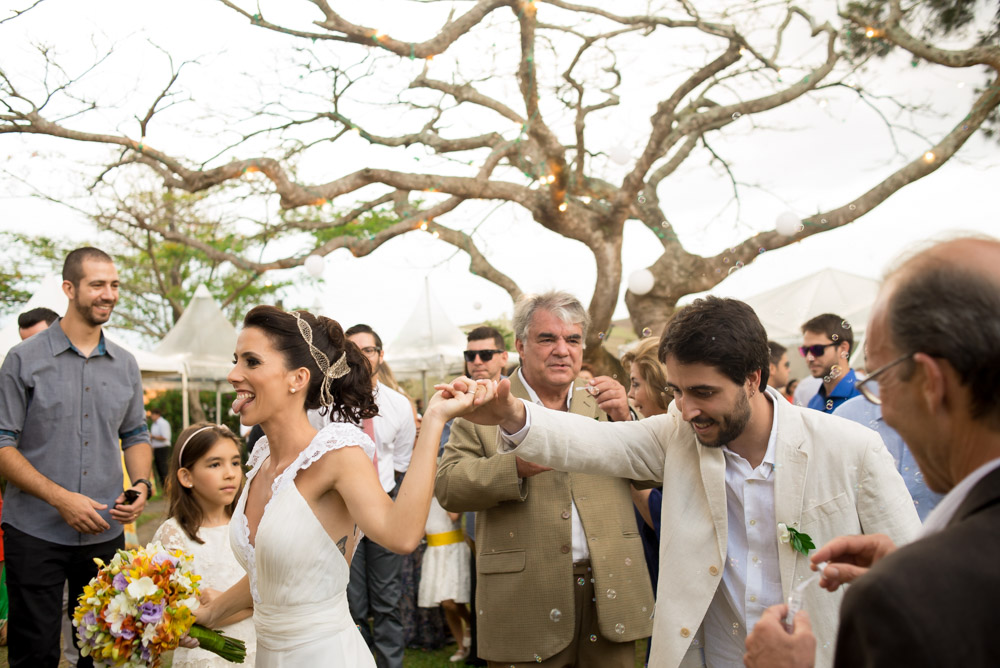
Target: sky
<point x="810" y="156"/>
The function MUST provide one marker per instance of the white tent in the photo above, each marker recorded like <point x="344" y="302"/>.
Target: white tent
<point x="51" y="296"/>
<point x="784" y="309"/>
<point x="429" y="342"/>
<point x="204" y="340"/>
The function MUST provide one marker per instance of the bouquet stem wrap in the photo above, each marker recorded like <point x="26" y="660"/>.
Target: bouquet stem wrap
<point x="230" y="649"/>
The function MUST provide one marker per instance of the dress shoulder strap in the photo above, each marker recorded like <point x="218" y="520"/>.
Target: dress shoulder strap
<point x="334" y="436"/>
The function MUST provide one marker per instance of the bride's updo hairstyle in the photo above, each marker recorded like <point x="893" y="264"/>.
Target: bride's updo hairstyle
<point x="339" y="374"/>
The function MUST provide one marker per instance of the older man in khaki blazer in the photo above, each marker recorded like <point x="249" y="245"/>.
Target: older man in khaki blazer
<point x="737" y="461"/>
<point x="537" y="601"/>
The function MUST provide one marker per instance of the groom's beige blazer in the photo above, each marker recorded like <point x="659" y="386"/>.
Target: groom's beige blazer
<point x="525" y="587"/>
<point x="832" y="477"/>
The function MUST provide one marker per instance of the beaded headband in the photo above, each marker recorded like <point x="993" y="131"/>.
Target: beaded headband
<point x="339" y="368"/>
<point x="180" y="451"/>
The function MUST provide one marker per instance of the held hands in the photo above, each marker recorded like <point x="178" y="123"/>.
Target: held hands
<point x="460" y="396"/>
<point x="80" y="512"/>
<point x="850" y="557"/>
<point x="769" y="645"/>
<point x="126" y="512"/>
<point x="611" y="397"/>
<point x="500" y="408"/>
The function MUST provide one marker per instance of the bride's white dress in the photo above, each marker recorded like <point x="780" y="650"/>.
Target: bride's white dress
<point x="298" y="576"/>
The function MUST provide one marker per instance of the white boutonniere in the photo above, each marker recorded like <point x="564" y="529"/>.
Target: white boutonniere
<point x="800" y="542"/>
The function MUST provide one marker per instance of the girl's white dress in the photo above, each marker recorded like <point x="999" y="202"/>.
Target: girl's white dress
<point x="298" y="576"/>
<point x="215" y="562"/>
<point x="444" y="573"/>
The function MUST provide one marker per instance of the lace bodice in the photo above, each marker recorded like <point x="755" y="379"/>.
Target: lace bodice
<point x="286" y="513"/>
<point x="215" y="562"/>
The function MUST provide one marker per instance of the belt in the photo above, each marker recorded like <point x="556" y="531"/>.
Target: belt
<point x="446" y="538"/>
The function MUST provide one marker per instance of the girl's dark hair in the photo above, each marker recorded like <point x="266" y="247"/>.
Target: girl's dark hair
<point x="353" y="397"/>
<point x="188" y="449"/>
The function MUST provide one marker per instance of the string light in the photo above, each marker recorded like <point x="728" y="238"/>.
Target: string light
<point x="423" y="225"/>
<point x="929" y="157"/>
<point x="435" y="234"/>
<point x="563" y="206"/>
<point x="551" y="178"/>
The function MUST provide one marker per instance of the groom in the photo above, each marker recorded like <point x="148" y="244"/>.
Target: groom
<point x="737" y="460"/>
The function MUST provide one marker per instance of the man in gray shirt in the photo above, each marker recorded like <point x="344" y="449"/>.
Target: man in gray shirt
<point x="68" y="397"/>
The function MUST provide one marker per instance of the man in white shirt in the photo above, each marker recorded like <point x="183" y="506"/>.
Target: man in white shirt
<point x="376" y="583"/>
<point x="159" y="436"/>
<point x="934" y="340"/>
<point x="740" y="468"/>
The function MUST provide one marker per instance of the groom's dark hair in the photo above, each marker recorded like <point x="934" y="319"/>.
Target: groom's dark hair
<point x="724" y="333"/>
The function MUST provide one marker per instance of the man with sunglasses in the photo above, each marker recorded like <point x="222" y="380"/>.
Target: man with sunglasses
<point x="934" y="340"/>
<point x="561" y="577"/>
<point x="826" y="344"/>
<point x="485" y="354"/>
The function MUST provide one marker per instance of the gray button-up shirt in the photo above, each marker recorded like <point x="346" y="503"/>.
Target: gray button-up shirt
<point x="70" y="416"/>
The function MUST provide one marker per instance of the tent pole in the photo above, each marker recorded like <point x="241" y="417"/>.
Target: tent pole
<point x="185" y="413"/>
<point x="423" y="383"/>
<point x="218" y="403"/>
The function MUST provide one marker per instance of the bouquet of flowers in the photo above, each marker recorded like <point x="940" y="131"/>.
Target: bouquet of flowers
<point x="139" y="606"/>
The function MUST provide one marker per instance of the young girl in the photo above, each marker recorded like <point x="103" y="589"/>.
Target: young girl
<point x="445" y="577"/>
<point x="206" y="476"/>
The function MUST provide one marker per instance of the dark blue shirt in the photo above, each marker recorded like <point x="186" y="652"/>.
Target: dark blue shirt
<point x="70" y="416"/>
<point x="844" y="390"/>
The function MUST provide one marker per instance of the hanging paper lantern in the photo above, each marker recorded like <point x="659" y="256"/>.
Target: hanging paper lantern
<point x="787" y="223"/>
<point x="620" y="154"/>
<point x="641" y="281"/>
<point x="314" y="265"/>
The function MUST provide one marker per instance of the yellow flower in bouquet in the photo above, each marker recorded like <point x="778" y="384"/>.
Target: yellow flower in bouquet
<point x="140" y="605"/>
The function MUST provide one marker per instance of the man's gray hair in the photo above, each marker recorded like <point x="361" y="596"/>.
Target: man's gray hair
<point x="563" y="305"/>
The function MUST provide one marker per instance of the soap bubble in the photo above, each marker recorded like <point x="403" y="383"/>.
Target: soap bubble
<point x="612" y="593"/>
<point x="619" y="628"/>
<point x="555" y="615"/>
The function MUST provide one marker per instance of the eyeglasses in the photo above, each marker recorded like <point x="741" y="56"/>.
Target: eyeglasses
<point x="484" y="355"/>
<point x="866" y="390"/>
<point x="817" y="349"/>
<point x="371" y="351"/>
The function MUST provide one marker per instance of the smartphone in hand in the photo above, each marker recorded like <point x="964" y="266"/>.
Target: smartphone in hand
<point x="131" y="496"/>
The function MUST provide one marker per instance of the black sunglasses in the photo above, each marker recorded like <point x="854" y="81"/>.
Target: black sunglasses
<point x="485" y="355"/>
<point x="817" y="349"/>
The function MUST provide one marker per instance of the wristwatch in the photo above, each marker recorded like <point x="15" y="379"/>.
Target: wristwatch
<point x="149" y="486"/>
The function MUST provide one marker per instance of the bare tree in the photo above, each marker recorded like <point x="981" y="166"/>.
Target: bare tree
<point x="541" y="153"/>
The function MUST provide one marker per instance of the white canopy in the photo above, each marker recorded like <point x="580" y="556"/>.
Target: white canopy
<point x="203" y="338"/>
<point x="784" y="309"/>
<point x="429" y="342"/>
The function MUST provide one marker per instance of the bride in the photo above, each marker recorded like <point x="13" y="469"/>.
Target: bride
<point x="310" y="496"/>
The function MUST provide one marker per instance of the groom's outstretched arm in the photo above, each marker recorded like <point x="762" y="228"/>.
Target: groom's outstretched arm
<point x="569" y="442"/>
<point x="505" y="410"/>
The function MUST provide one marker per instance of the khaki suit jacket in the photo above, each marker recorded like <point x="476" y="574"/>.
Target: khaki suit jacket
<point x="524" y="559"/>
<point x="833" y="477"/>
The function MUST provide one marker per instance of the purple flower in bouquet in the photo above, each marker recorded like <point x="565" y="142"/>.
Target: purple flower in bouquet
<point x="160" y="557"/>
<point x="120" y="582"/>
<point x="90" y="618"/>
<point x="128" y="634"/>
<point x="151" y="613"/>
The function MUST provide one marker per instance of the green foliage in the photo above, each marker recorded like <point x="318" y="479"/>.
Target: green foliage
<point x="169" y="404"/>
<point x="158" y="277"/>
<point x="801" y="542"/>
<point x="365" y="226"/>
<point x="938" y="18"/>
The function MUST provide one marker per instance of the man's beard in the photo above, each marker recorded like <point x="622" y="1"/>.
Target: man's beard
<point x="87" y="313"/>
<point x="732" y="424"/>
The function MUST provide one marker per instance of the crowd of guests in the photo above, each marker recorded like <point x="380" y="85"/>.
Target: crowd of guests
<point x="708" y="486"/>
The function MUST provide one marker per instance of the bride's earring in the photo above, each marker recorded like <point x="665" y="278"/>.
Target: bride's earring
<point x="292" y="390"/>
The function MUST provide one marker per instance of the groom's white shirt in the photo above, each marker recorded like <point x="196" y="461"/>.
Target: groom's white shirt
<point x="830" y="477"/>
